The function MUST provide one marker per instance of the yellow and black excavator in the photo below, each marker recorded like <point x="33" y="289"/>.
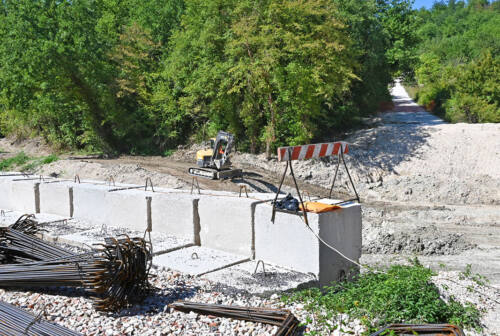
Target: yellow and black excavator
<point x="213" y="163"/>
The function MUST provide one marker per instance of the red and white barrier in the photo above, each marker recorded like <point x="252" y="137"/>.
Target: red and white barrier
<point x="312" y="151"/>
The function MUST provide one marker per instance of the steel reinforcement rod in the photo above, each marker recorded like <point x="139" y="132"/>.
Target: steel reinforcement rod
<point x="285" y="320"/>
<point x="116" y="273"/>
<point x="17" y="322"/>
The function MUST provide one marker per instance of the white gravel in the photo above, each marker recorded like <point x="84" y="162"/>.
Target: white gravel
<point x="485" y="298"/>
<point x="74" y="310"/>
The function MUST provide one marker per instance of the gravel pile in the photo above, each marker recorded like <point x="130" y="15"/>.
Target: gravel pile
<point x="410" y="155"/>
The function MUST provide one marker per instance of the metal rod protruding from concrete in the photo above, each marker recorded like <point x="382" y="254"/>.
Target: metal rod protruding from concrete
<point x="2" y="213"/>
<point x="109" y="180"/>
<point x="306" y="193"/>
<point x="77" y="178"/>
<point x="150" y="183"/>
<point x="193" y="256"/>
<point x="197" y="185"/>
<point x="257" y="266"/>
<point x="244" y="187"/>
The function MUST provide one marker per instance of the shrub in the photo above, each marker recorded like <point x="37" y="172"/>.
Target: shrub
<point x="402" y="294"/>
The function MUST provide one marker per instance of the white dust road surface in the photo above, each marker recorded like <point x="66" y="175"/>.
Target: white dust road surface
<point x="418" y="157"/>
<point x="408" y="154"/>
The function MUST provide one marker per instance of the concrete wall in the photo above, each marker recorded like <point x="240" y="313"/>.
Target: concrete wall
<point x="89" y="202"/>
<point x="24" y="196"/>
<point x="126" y="208"/>
<point x="56" y="198"/>
<point x="288" y="242"/>
<point x="176" y="214"/>
<point x="227" y="223"/>
<point x="5" y="192"/>
<point x="218" y="220"/>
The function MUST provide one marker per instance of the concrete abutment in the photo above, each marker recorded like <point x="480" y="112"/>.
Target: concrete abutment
<point x="216" y="220"/>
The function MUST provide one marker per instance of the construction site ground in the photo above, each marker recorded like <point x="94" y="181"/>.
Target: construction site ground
<point x="427" y="188"/>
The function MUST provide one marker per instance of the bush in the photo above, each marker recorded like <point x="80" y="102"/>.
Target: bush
<point x="402" y="294"/>
<point x="473" y="109"/>
<point x="18" y="160"/>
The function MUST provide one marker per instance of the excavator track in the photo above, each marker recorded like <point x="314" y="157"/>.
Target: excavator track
<point x="214" y="174"/>
<point x="203" y="172"/>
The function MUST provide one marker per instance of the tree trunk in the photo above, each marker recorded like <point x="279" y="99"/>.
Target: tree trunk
<point x="96" y="113"/>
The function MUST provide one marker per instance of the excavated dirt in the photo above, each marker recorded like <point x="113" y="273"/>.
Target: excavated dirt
<point x="421" y="241"/>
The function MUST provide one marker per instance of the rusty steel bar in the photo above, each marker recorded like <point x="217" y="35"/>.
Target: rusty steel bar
<point x="285" y="320"/>
<point x="17" y="322"/>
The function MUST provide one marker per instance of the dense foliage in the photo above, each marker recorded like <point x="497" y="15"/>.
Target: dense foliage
<point x="402" y="294"/>
<point x="458" y="72"/>
<point x="145" y="76"/>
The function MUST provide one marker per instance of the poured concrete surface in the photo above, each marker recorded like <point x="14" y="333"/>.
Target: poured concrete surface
<point x="273" y="279"/>
<point x="197" y="260"/>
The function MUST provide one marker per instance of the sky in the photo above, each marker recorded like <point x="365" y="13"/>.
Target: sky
<point x="423" y="3"/>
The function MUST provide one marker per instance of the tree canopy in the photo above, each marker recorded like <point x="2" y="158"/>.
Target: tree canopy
<point x="145" y="76"/>
<point x="458" y="68"/>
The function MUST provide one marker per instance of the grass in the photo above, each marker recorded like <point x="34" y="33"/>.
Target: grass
<point x="15" y="161"/>
<point x="401" y="294"/>
<point x="168" y="152"/>
<point x="24" y="162"/>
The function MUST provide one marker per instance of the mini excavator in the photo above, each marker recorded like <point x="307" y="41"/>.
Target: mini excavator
<point x="213" y="163"/>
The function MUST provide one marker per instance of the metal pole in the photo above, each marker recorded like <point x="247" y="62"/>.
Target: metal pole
<point x="278" y="192"/>
<point x="350" y="179"/>
<point x="298" y="191"/>
<point x="334" y="176"/>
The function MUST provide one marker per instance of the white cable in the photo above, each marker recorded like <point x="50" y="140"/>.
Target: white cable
<point x="336" y="250"/>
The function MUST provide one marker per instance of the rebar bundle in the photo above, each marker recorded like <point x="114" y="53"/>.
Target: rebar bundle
<point x="27" y="224"/>
<point x="22" y="247"/>
<point x="286" y="321"/>
<point x="17" y="322"/>
<point x="116" y="273"/>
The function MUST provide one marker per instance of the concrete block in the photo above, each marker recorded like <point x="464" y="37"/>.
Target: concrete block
<point x="176" y="214"/>
<point x="89" y="202"/>
<point x="5" y="192"/>
<point x="25" y="196"/>
<point x="127" y="209"/>
<point x="57" y="198"/>
<point x="227" y="223"/>
<point x="288" y="242"/>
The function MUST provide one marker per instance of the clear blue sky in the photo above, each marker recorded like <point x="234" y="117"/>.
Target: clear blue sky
<point x="423" y="3"/>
